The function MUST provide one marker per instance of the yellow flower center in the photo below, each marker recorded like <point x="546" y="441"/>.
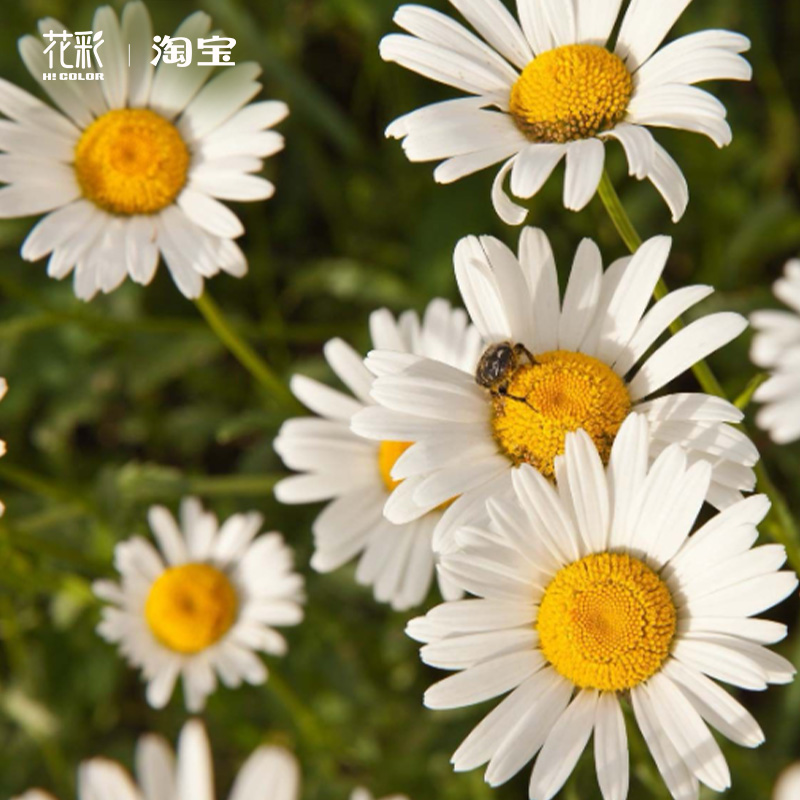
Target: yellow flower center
<point x="572" y="92"/>
<point x="388" y="453"/>
<point x="131" y="161"/>
<point x="190" y="607"/>
<point x="562" y="392"/>
<point x="606" y="622"/>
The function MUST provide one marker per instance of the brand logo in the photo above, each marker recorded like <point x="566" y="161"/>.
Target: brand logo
<point x="78" y="53"/>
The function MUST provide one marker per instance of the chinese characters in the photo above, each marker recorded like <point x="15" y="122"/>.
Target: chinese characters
<point x="178" y="50"/>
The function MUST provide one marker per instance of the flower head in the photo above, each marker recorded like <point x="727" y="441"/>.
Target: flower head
<point x="552" y="366"/>
<point x="203" y="605"/>
<point x="552" y="86"/>
<point x="131" y="169"/>
<point x="776" y="347"/>
<point x="269" y="772"/>
<point x="596" y="594"/>
<point x="354" y="473"/>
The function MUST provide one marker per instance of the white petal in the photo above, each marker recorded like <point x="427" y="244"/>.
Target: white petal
<point x="644" y="28"/>
<point x="694" y="343"/>
<point x="564" y="745"/>
<point x="585" y="161"/>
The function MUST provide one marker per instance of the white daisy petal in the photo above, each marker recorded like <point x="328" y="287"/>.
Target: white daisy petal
<point x="694" y="343"/>
<point x="595" y="19"/>
<point x="137" y="30"/>
<point x="564" y="745"/>
<point x="776" y="346"/>
<point x="155" y="768"/>
<point x="611" y="748"/>
<point x="585" y="160"/>
<point x="644" y="28"/>
<point x="491" y="19"/>
<point x="534" y="24"/>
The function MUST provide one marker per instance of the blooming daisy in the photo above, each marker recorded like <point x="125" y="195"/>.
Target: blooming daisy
<point x="551" y="86"/>
<point x="551" y="368"/>
<point x="355" y="473"/>
<point x="271" y="773"/>
<point x="595" y="594"/>
<point x="788" y="785"/>
<point x="203" y="605"/>
<point x="133" y="167"/>
<point x="776" y="347"/>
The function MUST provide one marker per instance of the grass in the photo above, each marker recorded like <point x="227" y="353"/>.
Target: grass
<point x="132" y="399"/>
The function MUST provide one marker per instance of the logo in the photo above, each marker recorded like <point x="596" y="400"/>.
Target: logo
<point x="78" y="53"/>
<point x="84" y="44"/>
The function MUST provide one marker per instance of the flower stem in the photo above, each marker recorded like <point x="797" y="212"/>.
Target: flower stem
<point x="242" y="351"/>
<point x="780" y="524"/>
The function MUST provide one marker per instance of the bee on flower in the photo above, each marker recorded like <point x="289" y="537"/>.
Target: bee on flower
<point x="586" y="361"/>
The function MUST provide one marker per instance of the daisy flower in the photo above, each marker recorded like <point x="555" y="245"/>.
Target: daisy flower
<point x="776" y="347"/>
<point x="552" y="86"/>
<point x="788" y="785"/>
<point x="355" y="473"/>
<point x="132" y="168"/>
<point x="271" y="773"/>
<point x="597" y="594"/>
<point x="552" y="367"/>
<point x="203" y="605"/>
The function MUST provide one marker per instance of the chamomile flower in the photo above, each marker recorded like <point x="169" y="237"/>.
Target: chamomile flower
<point x="132" y="168"/>
<point x="559" y="367"/>
<point x="788" y="784"/>
<point x="355" y="473"/>
<point x="552" y="86"/>
<point x="203" y="605"/>
<point x="597" y="594"/>
<point x="270" y="773"/>
<point x="776" y="347"/>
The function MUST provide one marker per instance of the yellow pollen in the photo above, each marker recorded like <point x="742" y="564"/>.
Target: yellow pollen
<point x="131" y="161"/>
<point x="606" y="622"/>
<point x="562" y="392"/>
<point x="572" y="92"/>
<point x="190" y="607"/>
<point x="388" y="453"/>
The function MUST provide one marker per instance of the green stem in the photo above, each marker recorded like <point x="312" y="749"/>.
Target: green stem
<point x="745" y="398"/>
<point x="245" y="354"/>
<point x="780" y="524"/>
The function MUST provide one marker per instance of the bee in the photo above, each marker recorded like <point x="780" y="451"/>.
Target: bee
<point x="497" y="366"/>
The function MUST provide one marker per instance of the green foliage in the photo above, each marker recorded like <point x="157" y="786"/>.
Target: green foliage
<point x="132" y="400"/>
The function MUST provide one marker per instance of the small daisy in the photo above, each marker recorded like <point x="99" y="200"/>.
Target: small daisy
<point x="133" y="167"/>
<point x="776" y="347"/>
<point x="551" y="86"/>
<point x="788" y="785"/>
<point x="271" y="773"/>
<point x="355" y="473"/>
<point x="594" y="595"/>
<point x="551" y="368"/>
<point x="202" y="606"/>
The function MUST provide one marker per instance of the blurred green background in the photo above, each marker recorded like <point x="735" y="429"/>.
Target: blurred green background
<point x="131" y="400"/>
